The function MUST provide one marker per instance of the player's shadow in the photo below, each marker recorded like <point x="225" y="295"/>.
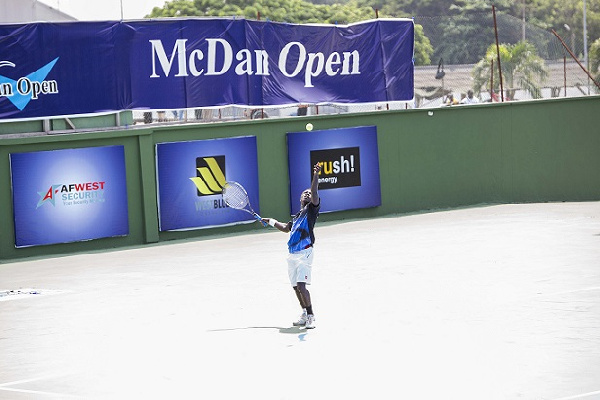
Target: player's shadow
<point x="291" y="330"/>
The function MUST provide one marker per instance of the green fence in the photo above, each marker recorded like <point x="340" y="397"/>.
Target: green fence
<point x="515" y="152"/>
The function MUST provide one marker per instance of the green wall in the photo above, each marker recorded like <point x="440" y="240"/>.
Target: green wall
<point x="466" y="155"/>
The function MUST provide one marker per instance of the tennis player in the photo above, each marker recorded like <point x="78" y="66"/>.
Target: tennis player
<point x="300" y="246"/>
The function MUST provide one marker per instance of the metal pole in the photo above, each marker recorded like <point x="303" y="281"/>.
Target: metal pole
<point x="498" y="53"/>
<point x="121" y="10"/>
<point x="492" y="82"/>
<point x="585" y="47"/>
<point x="575" y="58"/>
<point x="565" y="73"/>
<point x="523" y="33"/>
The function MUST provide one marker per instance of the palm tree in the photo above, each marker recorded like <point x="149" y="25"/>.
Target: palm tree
<point x="520" y="65"/>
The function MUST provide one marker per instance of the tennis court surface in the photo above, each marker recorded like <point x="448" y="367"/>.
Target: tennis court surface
<point x="490" y="302"/>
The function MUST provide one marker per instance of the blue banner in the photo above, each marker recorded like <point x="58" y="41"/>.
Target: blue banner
<point x="69" y="195"/>
<point x="349" y="159"/>
<point x="191" y="176"/>
<point x="50" y="69"/>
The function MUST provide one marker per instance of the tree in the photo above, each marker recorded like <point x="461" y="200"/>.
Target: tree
<point x="464" y="34"/>
<point x="413" y="8"/>
<point x="594" y="57"/>
<point x="520" y="66"/>
<point x="293" y="11"/>
<point x="423" y="47"/>
<point x="175" y="8"/>
<point x="564" y="16"/>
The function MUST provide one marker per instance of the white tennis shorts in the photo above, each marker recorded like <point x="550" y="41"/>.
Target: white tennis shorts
<point x="300" y="266"/>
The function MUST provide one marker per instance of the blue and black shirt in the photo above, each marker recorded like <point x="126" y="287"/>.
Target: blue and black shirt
<point x="301" y="231"/>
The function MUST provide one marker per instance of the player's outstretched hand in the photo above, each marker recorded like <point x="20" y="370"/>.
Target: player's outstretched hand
<point x="268" y="221"/>
<point x="317" y="168"/>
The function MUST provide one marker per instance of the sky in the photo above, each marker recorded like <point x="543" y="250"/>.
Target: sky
<point x="95" y="10"/>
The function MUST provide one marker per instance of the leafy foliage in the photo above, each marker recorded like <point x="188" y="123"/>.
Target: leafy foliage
<point x="520" y="65"/>
<point x="293" y="11"/>
<point x="564" y="16"/>
<point x="459" y="31"/>
<point x="594" y="57"/>
<point x="176" y="8"/>
<point x="423" y="47"/>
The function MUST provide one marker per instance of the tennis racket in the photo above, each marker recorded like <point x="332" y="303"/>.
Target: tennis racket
<point x="235" y="196"/>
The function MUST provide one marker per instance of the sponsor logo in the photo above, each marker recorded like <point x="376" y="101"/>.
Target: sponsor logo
<point x="339" y="167"/>
<point x="209" y="181"/>
<point x="210" y="177"/>
<point x="27" y="88"/>
<point x="73" y="194"/>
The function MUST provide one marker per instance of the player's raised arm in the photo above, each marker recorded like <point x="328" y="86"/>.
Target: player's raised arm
<point x="314" y="186"/>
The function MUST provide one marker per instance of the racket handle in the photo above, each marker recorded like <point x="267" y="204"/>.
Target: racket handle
<point x="260" y="219"/>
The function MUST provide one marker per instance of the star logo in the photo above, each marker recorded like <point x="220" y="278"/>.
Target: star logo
<point x="48" y="196"/>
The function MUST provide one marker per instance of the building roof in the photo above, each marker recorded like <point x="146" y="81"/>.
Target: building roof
<point x="25" y="11"/>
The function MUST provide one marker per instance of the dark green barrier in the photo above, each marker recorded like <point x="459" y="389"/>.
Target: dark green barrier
<point x="458" y="156"/>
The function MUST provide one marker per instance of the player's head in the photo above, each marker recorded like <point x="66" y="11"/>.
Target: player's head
<point x="305" y="197"/>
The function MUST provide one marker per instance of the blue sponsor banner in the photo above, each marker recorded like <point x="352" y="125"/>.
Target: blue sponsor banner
<point x="349" y="175"/>
<point x="69" y="195"/>
<point x="49" y="69"/>
<point x="191" y="176"/>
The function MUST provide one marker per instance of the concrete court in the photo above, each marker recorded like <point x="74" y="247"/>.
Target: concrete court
<point x="490" y="302"/>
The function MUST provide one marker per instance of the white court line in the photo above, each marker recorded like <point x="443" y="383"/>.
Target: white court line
<point x="36" y="392"/>
<point x="569" y="292"/>
<point x="579" y="396"/>
<point x="29" y="380"/>
<point x="6" y="295"/>
<point x="4" y="386"/>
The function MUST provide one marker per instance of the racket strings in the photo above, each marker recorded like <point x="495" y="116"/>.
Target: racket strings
<point x="235" y="197"/>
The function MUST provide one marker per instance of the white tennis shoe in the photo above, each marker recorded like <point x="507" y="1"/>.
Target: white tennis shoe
<point x="310" y="322"/>
<point x="302" y="320"/>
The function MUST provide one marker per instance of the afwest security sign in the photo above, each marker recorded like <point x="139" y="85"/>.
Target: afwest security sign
<point x="85" y="67"/>
<point x="69" y="195"/>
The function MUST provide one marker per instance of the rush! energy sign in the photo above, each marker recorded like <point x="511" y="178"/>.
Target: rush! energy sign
<point x="349" y="159"/>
